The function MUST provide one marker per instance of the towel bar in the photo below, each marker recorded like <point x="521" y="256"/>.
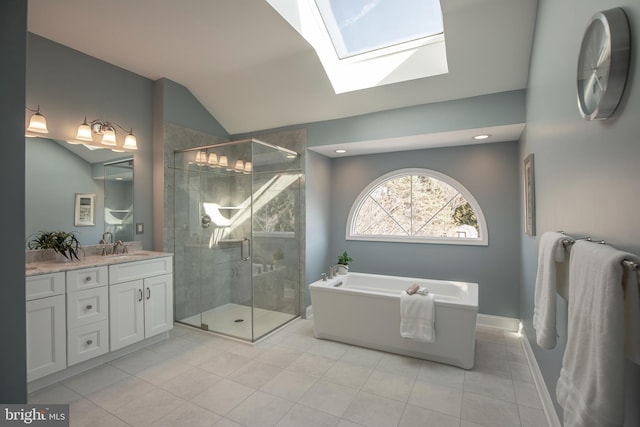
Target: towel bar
<point x="627" y="263"/>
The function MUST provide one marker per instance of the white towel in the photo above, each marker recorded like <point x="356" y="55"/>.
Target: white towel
<point x="591" y="383"/>
<point x="549" y="278"/>
<point x="417" y="317"/>
<point x="632" y="313"/>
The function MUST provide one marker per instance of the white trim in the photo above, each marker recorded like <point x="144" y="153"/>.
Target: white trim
<point x="545" y="399"/>
<point x="482" y="240"/>
<point x="500" y="322"/>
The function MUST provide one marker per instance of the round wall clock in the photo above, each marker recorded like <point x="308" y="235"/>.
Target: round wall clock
<point x="603" y="64"/>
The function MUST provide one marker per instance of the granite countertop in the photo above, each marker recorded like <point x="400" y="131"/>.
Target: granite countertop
<point x="44" y="267"/>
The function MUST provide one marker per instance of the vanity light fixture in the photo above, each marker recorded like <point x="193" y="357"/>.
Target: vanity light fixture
<point x="481" y="136"/>
<point x="223" y="162"/>
<point x="107" y="131"/>
<point x="37" y="122"/>
<point x="248" y="167"/>
<point x="239" y="166"/>
<point x="213" y="160"/>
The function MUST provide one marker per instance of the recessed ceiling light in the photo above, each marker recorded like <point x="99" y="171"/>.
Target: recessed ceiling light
<point x="483" y="136"/>
<point x="341" y="151"/>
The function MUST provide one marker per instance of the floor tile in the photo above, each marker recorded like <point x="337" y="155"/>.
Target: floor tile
<point x="148" y="408"/>
<point x="95" y="379"/>
<point x="439" y="398"/>
<point x="488" y="411"/>
<point x="137" y="361"/>
<point x="190" y="383"/>
<point x="531" y="417"/>
<point x="55" y="394"/>
<point x="84" y="412"/>
<point x="260" y="410"/>
<point x="363" y="357"/>
<point x="489" y="385"/>
<point x="328" y="349"/>
<point x="255" y="374"/>
<point x="399" y="365"/>
<point x="120" y="393"/>
<point x="188" y="415"/>
<point x="301" y="415"/>
<point x="312" y="364"/>
<point x="222" y="396"/>
<point x="163" y="371"/>
<point x="347" y="374"/>
<point x="289" y="385"/>
<point x="439" y="373"/>
<point x="374" y="411"/>
<point x="328" y="397"/>
<point x="224" y="364"/>
<point x="389" y="385"/>
<point x="415" y="416"/>
<point x="527" y="395"/>
<point x="280" y="356"/>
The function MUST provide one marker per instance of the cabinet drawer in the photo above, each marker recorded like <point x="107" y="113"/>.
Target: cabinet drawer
<point x="44" y="285"/>
<point x="86" y="278"/>
<point x="87" y="306"/>
<point x="87" y="342"/>
<point x="128" y="271"/>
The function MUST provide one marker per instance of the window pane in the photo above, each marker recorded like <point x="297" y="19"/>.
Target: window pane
<point x="358" y="26"/>
<point x="416" y="206"/>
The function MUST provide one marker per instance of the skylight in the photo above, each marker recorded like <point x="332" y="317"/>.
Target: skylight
<point x="360" y="26"/>
<point x="368" y="43"/>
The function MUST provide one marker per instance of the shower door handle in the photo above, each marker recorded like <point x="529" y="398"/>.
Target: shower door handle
<point x="246" y="239"/>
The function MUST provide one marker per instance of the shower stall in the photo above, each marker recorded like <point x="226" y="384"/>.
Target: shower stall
<point x="237" y="238"/>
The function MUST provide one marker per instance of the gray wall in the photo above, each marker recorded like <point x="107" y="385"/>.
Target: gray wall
<point x="318" y="216"/>
<point x="50" y="190"/>
<point x="13" y="358"/>
<point x="490" y="173"/>
<point x="587" y="174"/>
<point x="69" y="85"/>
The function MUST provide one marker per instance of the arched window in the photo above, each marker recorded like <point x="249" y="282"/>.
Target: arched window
<point x="417" y="205"/>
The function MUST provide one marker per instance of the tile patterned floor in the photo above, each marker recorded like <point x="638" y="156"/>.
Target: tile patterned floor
<point x="292" y="379"/>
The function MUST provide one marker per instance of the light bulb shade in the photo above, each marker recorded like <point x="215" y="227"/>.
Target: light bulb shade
<point x="248" y="167"/>
<point x="201" y="157"/>
<point x="38" y="123"/>
<point x="109" y="137"/>
<point x="84" y="132"/>
<point x="223" y="162"/>
<point x="239" y="165"/>
<point x="213" y="159"/>
<point x="130" y="142"/>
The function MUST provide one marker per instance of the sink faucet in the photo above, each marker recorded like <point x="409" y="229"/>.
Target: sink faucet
<point x="115" y="247"/>
<point x="104" y="237"/>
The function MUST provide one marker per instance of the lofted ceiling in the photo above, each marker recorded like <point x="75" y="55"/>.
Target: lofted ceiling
<point x="252" y="71"/>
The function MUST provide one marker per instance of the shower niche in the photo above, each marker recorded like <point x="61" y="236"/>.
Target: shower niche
<point x="237" y="247"/>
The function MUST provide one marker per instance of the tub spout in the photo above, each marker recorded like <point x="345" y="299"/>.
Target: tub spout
<point x="324" y="277"/>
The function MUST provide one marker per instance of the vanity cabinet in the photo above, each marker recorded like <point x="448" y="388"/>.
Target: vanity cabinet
<point x="46" y="326"/>
<point x="87" y="313"/>
<point x="140" y="300"/>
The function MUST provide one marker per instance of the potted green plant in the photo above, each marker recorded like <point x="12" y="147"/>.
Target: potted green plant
<point x="62" y="242"/>
<point x="343" y="263"/>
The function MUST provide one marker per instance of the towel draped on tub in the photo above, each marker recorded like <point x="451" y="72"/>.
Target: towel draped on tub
<point x="417" y="317"/>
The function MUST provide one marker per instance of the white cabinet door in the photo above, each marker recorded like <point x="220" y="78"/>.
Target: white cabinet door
<point x="126" y="310"/>
<point x="158" y="310"/>
<point x="46" y="336"/>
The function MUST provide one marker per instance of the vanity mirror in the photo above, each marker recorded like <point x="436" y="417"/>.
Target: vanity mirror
<point x="56" y="171"/>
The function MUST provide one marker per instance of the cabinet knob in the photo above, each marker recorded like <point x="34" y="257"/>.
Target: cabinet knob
<point x="87" y="279"/>
<point x="89" y="307"/>
<point x="89" y="342"/>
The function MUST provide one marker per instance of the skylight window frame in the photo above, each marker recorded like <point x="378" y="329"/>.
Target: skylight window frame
<point x="366" y="54"/>
<point x="421" y="58"/>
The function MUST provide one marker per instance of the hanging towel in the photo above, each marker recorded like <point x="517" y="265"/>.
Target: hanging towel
<point x="591" y="383"/>
<point x="549" y="278"/>
<point x="417" y="317"/>
<point x="632" y="313"/>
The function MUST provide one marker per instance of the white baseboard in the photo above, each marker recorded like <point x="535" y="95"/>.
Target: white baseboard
<point x="499" y="322"/>
<point x="545" y="399"/>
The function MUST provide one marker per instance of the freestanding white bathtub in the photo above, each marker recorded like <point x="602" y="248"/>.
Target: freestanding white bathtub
<point x="364" y="310"/>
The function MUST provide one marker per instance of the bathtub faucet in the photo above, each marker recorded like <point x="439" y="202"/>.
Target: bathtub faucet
<point x="333" y="271"/>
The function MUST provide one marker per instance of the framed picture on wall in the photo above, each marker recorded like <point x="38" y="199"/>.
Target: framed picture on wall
<point x="85" y="209"/>
<point x="529" y="197"/>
